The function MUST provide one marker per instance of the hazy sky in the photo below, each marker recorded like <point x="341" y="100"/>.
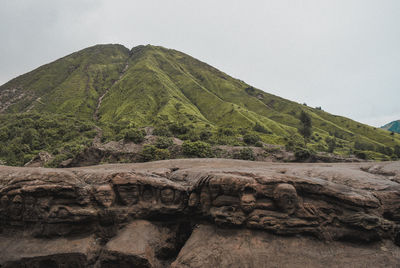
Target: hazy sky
<point x="342" y="55"/>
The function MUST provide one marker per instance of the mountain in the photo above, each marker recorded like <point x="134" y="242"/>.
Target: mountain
<point x="103" y="92"/>
<point x="393" y="126"/>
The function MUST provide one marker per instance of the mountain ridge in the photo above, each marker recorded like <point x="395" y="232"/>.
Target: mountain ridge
<point x="116" y="89"/>
<point x="393" y="126"/>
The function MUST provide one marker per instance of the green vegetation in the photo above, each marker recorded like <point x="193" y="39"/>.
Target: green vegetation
<point x="245" y="154"/>
<point x="197" y="149"/>
<point x="251" y="139"/>
<point x="162" y="131"/>
<point x="164" y="142"/>
<point x="305" y="127"/>
<point x="135" y="135"/>
<point x="176" y="94"/>
<point x="22" y="136"/>
<point x="152" y="153"/>
<point x="331" y="142"/>
<point x="303" y="154"/>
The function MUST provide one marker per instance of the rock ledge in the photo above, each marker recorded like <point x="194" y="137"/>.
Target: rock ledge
<point x="201" y="213"/>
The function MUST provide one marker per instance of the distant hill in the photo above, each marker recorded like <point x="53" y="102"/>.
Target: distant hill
<point x="106" y="91"/>
<point x="393" y="126"/>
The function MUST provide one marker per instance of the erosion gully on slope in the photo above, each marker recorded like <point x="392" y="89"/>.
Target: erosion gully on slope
<point x="97" y="138"/>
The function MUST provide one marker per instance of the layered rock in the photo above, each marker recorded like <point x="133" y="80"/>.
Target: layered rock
<point x="210" y="246"/>
<point x="141" y="215"/>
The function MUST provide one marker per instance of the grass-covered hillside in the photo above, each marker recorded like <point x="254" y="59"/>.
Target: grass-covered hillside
<point x="106" y="92"/>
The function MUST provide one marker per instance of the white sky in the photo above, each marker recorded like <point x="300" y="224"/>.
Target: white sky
<point x="342" y="55"/>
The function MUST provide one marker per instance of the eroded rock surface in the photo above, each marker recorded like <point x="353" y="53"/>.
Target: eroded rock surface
<point x="210" y="246"/>
<point x="142" y="215"/>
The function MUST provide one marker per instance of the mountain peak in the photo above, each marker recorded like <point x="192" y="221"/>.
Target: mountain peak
<point x="392" y="126"/>
<point x="116" y="88"/>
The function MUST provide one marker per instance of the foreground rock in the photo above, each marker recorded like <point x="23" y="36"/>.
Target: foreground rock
<point x="201" y="213"/>
<point x="210" y="246"/>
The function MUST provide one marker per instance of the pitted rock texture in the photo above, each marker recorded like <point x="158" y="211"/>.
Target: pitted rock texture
<point x="210" y="246"/>
<point x="142" y="215"/>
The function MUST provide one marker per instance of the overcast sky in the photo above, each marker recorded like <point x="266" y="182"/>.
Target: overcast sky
<point x="342" y="55"/>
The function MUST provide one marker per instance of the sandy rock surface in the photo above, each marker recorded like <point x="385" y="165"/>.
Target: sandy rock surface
<point x="201" y="213"/>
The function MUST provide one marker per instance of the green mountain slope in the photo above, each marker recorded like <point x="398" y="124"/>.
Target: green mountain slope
<point x="70" y="85"/>
<point x="392" y="126"/>
<point x="116" y="89"/>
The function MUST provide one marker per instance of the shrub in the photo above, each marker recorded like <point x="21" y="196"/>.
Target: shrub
<point x="197" y="149"/>
<point x="134" y="135"/>
<point x="205" y="135"/>
<point x="261" y="129"/>
<point x="290" y="145"/>
<point x="178" y="128"/>
<point x="305" y="128"/>
<point x="251" y="139"/>
<point x="245" y="154"/>
<point x="363" y="146"/>
<point x="385" y="150"/>
<point x="191" y="135"/>
<point x="302" y="154"/>
<point x="164" y="142"/>
<point x="397" y="150"/>
<point x="360" y="154"/>
<point x="250" y="90"/>
<point x="259" y="144"/>
<point x="85" y="127"/>
<point x="152" y="153"/>
<point x="331" y="144"/>
<point x="24" y="135"/>
<point x="226" y="132"/>
<point x="3" y="134"/>
<point x="162" y="131"/>
<point x="31" y="137"/>
<point x="243" y="131"/>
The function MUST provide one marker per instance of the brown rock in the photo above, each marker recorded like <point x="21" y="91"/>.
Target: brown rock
<point x="58" y="252"/>
<point x="210" y="246"/>
<point x="143" y="213"/>
<point x="40" y="160"/>
<point x="140" y="244"/>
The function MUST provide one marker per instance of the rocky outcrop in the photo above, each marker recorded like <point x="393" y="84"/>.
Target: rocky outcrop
<point x="129" y="152"/>
<point x="210" y="246"/>
<point x="201" y="213"/>
<point x="40" y="160"/>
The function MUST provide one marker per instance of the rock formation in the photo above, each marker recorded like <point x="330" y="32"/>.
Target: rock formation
<point x="201" y="213"/>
